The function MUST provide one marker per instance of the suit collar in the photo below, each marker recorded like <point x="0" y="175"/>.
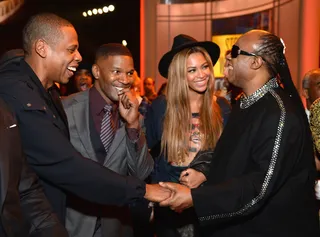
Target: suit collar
<point x="81" y="113"/>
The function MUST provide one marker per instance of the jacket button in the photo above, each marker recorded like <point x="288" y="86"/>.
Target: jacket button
<point x="54" y="116"/>
<point x="29" y="104"/>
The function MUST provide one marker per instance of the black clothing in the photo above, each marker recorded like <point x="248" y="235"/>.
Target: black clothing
<point x="44" y="134"/>
<point x="261" y="180"/>
<point x="25" y="211"/>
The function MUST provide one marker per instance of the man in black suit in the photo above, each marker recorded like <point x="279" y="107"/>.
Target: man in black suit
<point x="51" y="55"/>
<point x="262" y="174"/>
<point x="25" y="211"/>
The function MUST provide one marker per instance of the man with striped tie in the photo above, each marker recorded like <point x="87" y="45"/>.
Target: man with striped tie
<point x="105" y="126"/>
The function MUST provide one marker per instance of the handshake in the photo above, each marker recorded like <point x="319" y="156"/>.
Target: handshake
<point x="176" y="196"/>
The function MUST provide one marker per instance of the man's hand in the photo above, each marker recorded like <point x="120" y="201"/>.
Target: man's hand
<point x="192" y="178"/>
<point x="128" y="108"/>
<point x="180" y="198"/>
<point x="156" y="193"/>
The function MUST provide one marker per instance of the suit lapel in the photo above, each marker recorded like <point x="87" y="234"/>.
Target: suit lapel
<point x="81" y="117"/>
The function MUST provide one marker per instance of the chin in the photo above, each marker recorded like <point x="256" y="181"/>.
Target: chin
<point x="64" y="80"/>
<point x="201" y="90"/>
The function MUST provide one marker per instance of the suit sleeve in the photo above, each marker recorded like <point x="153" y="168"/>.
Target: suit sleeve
<point x="275" y="152"/>
<point x="36" y="207"/>
<point x="55" y="160"/>
<point x="140" y="162"/>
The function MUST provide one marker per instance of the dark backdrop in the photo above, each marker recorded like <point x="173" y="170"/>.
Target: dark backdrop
<point x="121" y="24"/>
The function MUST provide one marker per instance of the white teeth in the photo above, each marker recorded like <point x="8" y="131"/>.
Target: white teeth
<point x="119" y="88"/>
<point x="72" y="69"/>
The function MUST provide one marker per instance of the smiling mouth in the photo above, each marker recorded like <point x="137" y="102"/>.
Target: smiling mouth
<point x="119" y="88"/>
<point x="72" y="68"/>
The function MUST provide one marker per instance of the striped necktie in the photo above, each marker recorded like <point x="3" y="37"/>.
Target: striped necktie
<point x="107" y="128"/>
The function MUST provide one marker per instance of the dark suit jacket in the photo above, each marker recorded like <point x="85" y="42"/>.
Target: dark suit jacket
<point x="24" y="208"/>
<point x="261" y="181"/>
<point x="44" y="135"/>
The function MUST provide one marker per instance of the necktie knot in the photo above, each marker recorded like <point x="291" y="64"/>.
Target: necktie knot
<point x="107" y="108"/>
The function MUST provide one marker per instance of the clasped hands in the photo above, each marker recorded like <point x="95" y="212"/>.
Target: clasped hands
<point x="177" y="196"/>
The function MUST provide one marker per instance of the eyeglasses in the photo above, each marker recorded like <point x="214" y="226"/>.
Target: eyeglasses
<point x="235" y="51"/>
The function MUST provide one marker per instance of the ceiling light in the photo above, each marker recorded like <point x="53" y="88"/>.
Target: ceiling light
<point x="111" y="8"/>
<point x="105" y="9"/>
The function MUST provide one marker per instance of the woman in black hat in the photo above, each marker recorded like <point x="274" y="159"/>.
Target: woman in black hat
<point x="185" y="125"/>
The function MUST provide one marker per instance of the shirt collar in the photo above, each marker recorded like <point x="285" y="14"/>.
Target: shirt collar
<point x="97" y="102"/>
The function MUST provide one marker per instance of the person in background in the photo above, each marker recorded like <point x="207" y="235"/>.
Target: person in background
<point x="136" y="90"/>
<point x="184" y="125"/>
<point x="262" y="174"/>
<point x="83" y="77"/>
<point x="311" y="87"/>
<point x="51" y="55"/>
<point x="162" y="89"/>
<point x="311" y="91"/>
<point x="149" y="89"/>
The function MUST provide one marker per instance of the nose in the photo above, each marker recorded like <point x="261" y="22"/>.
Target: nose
<point x="125" y="79"/>
<point x="201" y="73"/>
<point x="78" y="57"/>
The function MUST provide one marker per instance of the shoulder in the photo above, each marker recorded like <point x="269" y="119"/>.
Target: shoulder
<point x="74" y="99"/>
<point x="159" y="102"/>
<point x="278" y="106"/>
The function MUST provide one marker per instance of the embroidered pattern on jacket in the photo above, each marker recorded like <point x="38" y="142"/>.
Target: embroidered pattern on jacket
<point x="274" y="156"/>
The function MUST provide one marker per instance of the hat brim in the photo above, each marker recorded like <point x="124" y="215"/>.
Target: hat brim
<point x="211" y="47"/>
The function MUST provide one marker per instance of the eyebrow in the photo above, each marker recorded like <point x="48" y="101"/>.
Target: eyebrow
<point x="196" y="66"/>
<point x="74" y="46"/>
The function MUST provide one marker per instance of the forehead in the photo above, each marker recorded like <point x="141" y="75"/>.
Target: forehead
<point x="195" y="58"/>
<point x="248" y="41"/>
<point x="314" y="78"/>
<point x="69" y="36"/>
<point x="148" y="81"/>
<point x="82" y="72"/>
<point x="118" y="61"/>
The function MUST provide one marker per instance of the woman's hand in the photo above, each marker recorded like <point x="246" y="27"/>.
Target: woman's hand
<point x="192" y="178"/>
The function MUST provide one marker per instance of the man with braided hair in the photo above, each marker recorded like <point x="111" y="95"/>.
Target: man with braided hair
<point x="261" y="181"/>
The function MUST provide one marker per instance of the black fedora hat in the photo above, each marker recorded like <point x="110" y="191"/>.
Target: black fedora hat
<point x="181" y="42"/>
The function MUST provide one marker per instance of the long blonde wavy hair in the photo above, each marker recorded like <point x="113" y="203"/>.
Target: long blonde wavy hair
<point x="177" y="120"/>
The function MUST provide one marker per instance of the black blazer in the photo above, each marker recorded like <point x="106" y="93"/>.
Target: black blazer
<point x="24" y="208"/>
<point x="262" y="174"/>
<point x="44" y="135"/>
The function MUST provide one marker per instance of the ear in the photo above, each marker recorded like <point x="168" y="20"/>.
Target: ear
<point x="305" y="93"/>
<point x="41" y="48"/>
<point x="256" y="63"/>
<point x="95" y="71"/>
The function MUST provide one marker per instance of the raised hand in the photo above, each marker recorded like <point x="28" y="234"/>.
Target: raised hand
<point x="156" y="193"/>
<point x="192" y="178"/>
<point x="180" y="198"/>
<point x="128" y="108"/>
